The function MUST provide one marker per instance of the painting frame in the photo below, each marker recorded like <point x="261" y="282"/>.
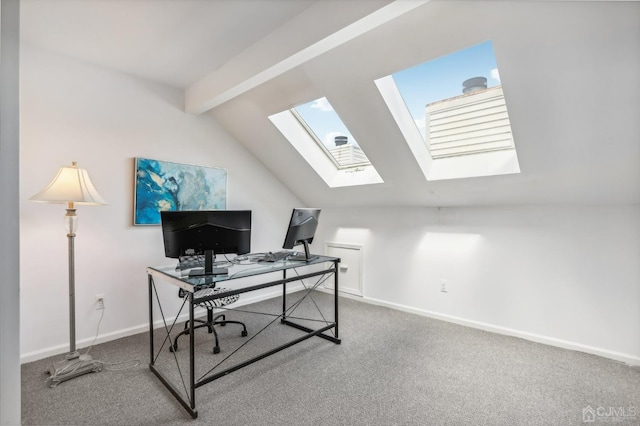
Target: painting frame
<point x="166" y="185"/>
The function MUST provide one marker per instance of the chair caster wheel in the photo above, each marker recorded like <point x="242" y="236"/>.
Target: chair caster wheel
<point x="244" y="333"/>
<point x="216" y="350"/>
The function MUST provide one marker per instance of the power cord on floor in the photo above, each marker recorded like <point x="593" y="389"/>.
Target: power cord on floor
<point x="97" y="332"/>
<point x="107" y="365"/>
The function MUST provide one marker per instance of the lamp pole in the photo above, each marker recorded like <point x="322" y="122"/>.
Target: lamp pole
<point x="71" y="220"/>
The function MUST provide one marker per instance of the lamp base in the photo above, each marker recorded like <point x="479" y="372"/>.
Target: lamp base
<point x="73" y="366"/>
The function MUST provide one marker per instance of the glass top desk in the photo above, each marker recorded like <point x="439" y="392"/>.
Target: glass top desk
<point x="168" y="365"/>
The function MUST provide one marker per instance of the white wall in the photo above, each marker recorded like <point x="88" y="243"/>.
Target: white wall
<point x="103" y="119"/>
<point x="562" y="275"/>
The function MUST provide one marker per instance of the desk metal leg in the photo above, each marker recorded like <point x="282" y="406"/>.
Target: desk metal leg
<point x="335" y="338"/>
<point x="335" y="297"/>
<point x="151" y="349"/>
<point x="284" y="297"/>
<point x="192" y="366"/>
<point x="190" y="406"/>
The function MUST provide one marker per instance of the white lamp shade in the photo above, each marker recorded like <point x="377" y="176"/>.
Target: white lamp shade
<point x="71" y="185"/>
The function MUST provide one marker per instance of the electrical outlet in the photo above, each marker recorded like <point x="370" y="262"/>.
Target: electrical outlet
<point x="443" y="286"/>
<point x="99" y="302"/>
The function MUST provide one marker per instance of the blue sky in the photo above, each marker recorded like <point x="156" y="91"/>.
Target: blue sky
<point x="442" y="78"/>
<point x="431" y="81"/>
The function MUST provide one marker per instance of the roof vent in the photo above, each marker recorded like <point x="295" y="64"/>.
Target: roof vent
<point x="340" y="140"/>
<point x="474" y="84"/>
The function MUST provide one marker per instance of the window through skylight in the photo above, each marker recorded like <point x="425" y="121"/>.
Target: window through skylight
<point x="458" y="107"/>
<point x="328" y="130"/>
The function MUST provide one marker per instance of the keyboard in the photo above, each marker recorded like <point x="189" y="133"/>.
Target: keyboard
<point x="274" y="257"/>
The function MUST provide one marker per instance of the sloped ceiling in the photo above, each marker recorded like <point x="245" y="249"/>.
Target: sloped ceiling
<point x="570" y="71"/>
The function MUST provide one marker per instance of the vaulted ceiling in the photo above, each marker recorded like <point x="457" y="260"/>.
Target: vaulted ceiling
<point x="570" y="71"/>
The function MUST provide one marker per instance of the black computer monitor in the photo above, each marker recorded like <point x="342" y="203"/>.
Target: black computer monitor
<point x="301" y="230"/>
<point x="206" y="232"/>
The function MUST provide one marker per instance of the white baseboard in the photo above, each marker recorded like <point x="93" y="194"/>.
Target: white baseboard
<point x="618" y="356"/>
<point x="142" y="328"/>
<point x="551" y="341"/>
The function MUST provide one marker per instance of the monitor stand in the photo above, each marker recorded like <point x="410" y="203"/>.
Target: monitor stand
<point x="209" y="255"/>
<point x="306" y="257"/>
<point x="199" y="272"/>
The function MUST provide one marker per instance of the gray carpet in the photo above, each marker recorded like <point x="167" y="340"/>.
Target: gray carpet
<point x="392" y="368"/>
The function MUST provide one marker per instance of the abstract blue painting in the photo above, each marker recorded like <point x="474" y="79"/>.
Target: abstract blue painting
<point x="163" y="185"/>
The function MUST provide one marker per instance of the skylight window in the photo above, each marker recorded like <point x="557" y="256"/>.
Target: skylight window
<point x="458" y="109"/>
<point x="325" y="126"/>
<point x="316" y="131"/>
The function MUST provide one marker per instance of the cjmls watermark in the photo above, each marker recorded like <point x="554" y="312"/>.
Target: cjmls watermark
<point x="591" y="414"/>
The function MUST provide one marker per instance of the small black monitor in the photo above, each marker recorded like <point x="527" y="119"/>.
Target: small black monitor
<point x="301" y="230"/>
<point x="206" y="232"/>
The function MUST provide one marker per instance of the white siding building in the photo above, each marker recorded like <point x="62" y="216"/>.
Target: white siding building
<point x="468" y="124"/>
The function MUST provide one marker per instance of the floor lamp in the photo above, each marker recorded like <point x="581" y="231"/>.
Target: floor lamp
<point x="71" y="186"/>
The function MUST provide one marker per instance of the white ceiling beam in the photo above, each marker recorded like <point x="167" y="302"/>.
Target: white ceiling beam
<point x="207" y="93"/>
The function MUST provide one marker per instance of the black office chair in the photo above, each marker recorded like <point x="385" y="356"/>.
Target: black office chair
<point x="210" y="322"/>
